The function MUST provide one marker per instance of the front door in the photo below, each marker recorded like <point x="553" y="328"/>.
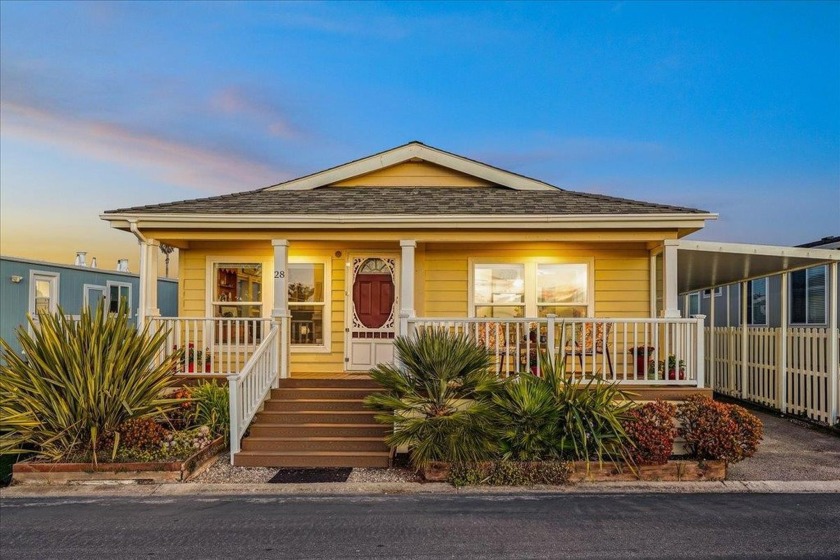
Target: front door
<point x="372" y="312"/>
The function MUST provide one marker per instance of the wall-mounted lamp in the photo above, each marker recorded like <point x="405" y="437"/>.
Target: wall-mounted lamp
<point x="16" y="279"/>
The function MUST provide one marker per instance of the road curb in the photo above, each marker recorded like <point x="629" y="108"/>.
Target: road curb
<point x="413" y="488"/>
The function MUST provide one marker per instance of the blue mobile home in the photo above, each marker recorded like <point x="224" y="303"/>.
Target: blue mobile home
<point x="29" y="285"/>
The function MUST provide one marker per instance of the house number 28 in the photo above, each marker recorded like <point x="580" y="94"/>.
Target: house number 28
<point x="279" y="273"/>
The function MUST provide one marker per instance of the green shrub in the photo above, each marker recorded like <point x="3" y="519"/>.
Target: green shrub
<point x="651" y="431"/>
<point x="80" y="380"/>
<point x="212" y="407"/>
<point x="528" y="419"/>
<point x="438" y="402"/>
<point x="510" y="473"/>
<point x="714" y="430"/>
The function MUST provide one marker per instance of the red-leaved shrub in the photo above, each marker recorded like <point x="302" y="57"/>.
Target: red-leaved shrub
<point x="714" y="430"/>
<point x="651" y="430"/>
<point x="141" y="433"/>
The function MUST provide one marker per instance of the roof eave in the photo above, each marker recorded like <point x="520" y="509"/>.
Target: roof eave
<point x="678" y="220"/>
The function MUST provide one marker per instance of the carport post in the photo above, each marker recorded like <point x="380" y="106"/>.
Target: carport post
<point x="744" y="341"/>
<point x="712" y="364"/>
<point x="833" y="351"/>
<point x="781" y="366"/>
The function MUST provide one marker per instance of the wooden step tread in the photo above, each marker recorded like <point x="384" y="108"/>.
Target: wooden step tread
<point x="317" y="425"/>
<point x="315" y="438"/>
<point x="315" y="401"/>
<point x="316" y="453"/>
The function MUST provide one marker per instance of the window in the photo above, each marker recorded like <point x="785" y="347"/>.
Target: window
<point x="510" y="290"/>
<point x="757" y="302"/>
<point x="307" y="303"/>
<point x="237" y="290"/>
<point x="808" y="296"/>
<point x="43" y="292"/>
<point x="499" y="290"/>
<point x="694" y="304"/>
<point x="119" y="293"/>
<point x="562" y="290"/>
<point x="708" y="293"/>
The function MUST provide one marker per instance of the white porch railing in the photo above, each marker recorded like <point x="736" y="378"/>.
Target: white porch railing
<point x="250" y="387"/>
<point x="213" y="345"/>
<point x="629" y="351"/>
<point x="798" y="384"/>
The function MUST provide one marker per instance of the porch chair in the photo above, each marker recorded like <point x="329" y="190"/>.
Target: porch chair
<point x="595" y="336"/>
<point x="491" y="334"/>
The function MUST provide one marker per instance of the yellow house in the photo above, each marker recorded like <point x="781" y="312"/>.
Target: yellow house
<point x="316" y="276"/>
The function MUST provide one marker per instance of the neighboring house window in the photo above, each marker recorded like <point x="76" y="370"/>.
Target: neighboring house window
<point x="757" y="302"/>
<point x="43" y="292"/>
<point x="237" y="290"/>
<point x="119" y="293"/>
<point x="510" y="290"/>
<point x="708" y="293"/>
<point x="307" y="303"/>
<point x="808" y="295"/>
<point x="694" y="304"/>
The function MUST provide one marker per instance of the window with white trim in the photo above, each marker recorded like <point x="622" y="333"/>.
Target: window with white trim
<point x="307" y="303"/>
<point x="509" y="290"/>
<point x="708" y="293"/>
<point x="809" y="296"/>
<point x="757" y="302"/>
<point x="119" y="293"/>
<point x="43" y="292"/>
<point x="237" y="289"/>
<point x="693" y="304"/>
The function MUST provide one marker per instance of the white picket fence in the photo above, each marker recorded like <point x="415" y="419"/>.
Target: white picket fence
<point x="628" y="351"/>
<point x="799" y="384"/>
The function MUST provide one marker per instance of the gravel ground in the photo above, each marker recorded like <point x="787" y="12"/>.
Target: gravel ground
<point x="222" y="472"/>
<point x="791" y="450"/>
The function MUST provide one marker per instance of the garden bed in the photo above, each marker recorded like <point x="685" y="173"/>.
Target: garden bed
<point x="672" y="471"/>
<point x="31" y="472"/>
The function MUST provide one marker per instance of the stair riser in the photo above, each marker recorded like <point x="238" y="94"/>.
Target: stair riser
<point x="338" y="383"/>
<point x="287" y="406"/>
<point x="337" y="431"/>
<point x="308" y="462"/>
<point x="315" y="418"/>
<point x="337" y="445"/>
<point x="320" y="393"/>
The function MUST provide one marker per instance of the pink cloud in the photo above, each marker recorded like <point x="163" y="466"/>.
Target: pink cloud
<point x="165" y="159"/>
<point x="236" y="101"/>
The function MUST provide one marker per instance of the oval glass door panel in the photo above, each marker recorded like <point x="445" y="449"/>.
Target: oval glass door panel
<point x="373" y="293"/>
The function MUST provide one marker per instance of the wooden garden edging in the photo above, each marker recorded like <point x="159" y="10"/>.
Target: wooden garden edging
<point x="29" y="472"/>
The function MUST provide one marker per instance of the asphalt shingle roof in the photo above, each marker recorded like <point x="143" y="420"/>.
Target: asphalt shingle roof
<point x="407" y="200"/>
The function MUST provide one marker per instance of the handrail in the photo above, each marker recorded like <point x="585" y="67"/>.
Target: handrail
<point x="249" y="388"/>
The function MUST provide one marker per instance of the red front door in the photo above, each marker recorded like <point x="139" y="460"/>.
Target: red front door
<point x="373" y="298"/>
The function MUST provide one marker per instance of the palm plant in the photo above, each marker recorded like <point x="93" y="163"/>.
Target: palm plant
<point x="438" y="399"/>
<point x="528" y="417"/>
<point x="79" y="381"/>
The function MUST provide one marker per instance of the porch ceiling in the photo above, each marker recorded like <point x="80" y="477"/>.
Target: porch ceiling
<point x="706" y="264"/>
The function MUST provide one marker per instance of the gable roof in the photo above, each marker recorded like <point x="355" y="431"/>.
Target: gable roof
<point x="310" y="199"/>
<point x="413" y="151"/>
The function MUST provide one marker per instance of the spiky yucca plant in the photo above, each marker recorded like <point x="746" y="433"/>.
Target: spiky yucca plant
<point x="438" y="400"/>
<point x="528" y="419"/>
<point x="79" y="380"/>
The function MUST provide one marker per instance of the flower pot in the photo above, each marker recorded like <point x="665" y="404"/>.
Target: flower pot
<point x="672" y="375"/>
<point x="191" y="368"/>
<point x="207" y="368"/>
<point x="436" y="471"/>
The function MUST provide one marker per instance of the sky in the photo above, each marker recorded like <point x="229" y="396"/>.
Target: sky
<point x="729" y="107"/>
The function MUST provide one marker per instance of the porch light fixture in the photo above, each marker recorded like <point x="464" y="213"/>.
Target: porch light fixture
<point x="16" y="279"/>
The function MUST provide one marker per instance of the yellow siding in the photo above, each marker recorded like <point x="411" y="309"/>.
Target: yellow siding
<point x="620" y="277"/>
<point x="413" y="174"/>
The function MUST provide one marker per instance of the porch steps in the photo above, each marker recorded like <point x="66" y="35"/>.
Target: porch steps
<point x="316" y="423"/>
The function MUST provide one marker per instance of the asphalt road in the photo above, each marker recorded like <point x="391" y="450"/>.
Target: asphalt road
<point x="425" y="526"/>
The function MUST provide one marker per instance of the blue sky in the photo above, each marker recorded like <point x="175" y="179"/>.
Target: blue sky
<point x="733" y="108"/>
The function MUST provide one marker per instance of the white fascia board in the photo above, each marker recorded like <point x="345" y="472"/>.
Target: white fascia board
<point x="761" y="250"/>
<point x="406" y="153"/>
<point x="338" y="221"/>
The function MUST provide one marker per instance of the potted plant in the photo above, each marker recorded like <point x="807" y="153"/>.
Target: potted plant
<point x="195" y="360"/>
<point x="676" y="369"/>
<point x="641" y="354"/>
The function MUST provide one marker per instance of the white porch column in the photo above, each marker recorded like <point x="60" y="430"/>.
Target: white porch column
<point x="711" y="348"/>
<point x="406" y="283"/>
<point x="744" y="342"/>
<point x="833" y="349"/>
<point x="280" y="311"/>
<point x="147" y="302"/>
<point x="670" y="297"/>
<point x="781" y="366"/>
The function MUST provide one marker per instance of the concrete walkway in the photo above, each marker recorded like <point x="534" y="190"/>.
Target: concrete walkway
<point x="791" y="450"/>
